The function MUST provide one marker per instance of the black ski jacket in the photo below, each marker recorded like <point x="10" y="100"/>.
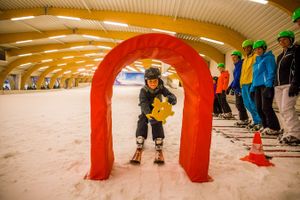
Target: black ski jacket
<point x="288" y="67"/>
<point x="147" y="96"/>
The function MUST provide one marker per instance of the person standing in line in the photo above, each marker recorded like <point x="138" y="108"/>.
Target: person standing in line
<point x="296" y="16"/>
<point x="264" y="70"/>
<point x="222" y="86"/>
<point x="246" y="81"/>
<point x="217" y="108"/>
<point x="235" y="89"/>
<point x="287" y="83"/>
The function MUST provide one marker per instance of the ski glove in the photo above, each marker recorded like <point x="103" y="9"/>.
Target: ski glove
<point x="228" y="90"/>
<point x="171" y="99"/>
<point x="293" y="91"/>
<point x="268" y="92"/>
<point x="153" y="121"/>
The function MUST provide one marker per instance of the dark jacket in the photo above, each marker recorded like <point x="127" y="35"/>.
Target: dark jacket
<point x="288" y="67"/>
<point x="147" y="96"/>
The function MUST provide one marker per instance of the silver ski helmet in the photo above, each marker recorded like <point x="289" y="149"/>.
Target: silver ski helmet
<point x="152" y="73"/>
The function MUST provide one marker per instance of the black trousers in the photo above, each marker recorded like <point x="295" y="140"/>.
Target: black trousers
<point x="265" y="109"/>
<point x="217" y="106"/>
<point x="223" y="102"/>
<point x="241" y="108"/>
<point x="142" y="128"/>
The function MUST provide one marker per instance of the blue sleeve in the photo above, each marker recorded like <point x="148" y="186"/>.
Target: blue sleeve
<point x="236" y="75"/>
<point x="271" y="71"/>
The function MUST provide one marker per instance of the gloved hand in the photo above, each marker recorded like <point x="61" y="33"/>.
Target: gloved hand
<point x="252" y="95"/>
<point x="153" y="121"/>
<point x="228" y="90"/>
<point x="293" y="90"/>
<point x="268" y="92"/>
<point x="171" y="99"/>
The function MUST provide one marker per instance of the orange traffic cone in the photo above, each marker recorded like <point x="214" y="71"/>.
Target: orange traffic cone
<point x="256" y="154"/>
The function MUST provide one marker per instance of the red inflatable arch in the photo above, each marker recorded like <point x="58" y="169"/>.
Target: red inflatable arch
<point x="198" y="102"/>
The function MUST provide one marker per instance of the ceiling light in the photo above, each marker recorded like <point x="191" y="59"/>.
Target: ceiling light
<point x="67" y="72"/>
<point x="62" y="64"/>
<point x="26" y="54"/>
<point x="71" y="18"/>
<point x="91" y="36"/>
<point x="68" y="57"/>
<point x="89" y="54"/>
<point x="76" y="47"/>
<point x="211" y="40"/>
<point x="25" y="64"/>
<point x="156" y="65"/>
<point x="104" y="47"/>
<point x="164" y="31"/>
<point x="94" y="68"/>
<point x="24" y="41"/>
<point x="47" y="60"/>
<point x="22" y="18"/>
<point x="57" y="37"/>
<point x="116" y="23"/>
<point x="81" y="70"/>
<point x="56" y="70"/>
<point x="131" y="68"/>
<point x="50" y="51"/>
<point x="98" y="59"/>
<point x="45" y="67"/>
<point x="139" y="65"/>
<point x="81" y="61"/>
<point x="138" y="62"/>
<point x="201" y="54"/>
<point x="260" y="1"/>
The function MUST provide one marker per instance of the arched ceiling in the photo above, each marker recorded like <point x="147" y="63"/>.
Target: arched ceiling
<point x="227" y="21"/>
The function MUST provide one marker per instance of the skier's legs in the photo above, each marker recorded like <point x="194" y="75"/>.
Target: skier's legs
<point x="259" y="106"/>
<point x="157" y="131"/>
<point x="142" y="126"/>
<point x="225" y="104"/>
<point x="271" y="118"/>
<point x="241" y="108"/>
<point x="250" y="104"/>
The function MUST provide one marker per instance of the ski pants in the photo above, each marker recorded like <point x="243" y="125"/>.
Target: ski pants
<point x="265" y="109"/>
<point x="217" y="106"/>
<point x="240" y="106"/>
<point x="287" y="110"/>
<point x="250" y="104"/>
<point x="223" y="102"/>
<point x="142" y="128"/>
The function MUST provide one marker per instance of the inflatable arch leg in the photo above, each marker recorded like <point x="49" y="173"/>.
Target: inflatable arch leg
<point x="198" y="102"/>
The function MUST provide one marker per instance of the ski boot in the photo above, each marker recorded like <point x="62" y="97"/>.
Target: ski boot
<point x="136" y="159"/>
<point x="269" y="131"/>
<point x="228" y="116"/>
<point x="159" y="158"/>
<point x="242" y="123"/>
<point x="290" y="140"/>
<point x="254" y="127"/>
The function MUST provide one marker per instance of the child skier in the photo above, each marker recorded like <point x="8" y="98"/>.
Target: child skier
<point x="222" y="86"/>
<point x="154" y="88"/>
<point x="217" y="107"/>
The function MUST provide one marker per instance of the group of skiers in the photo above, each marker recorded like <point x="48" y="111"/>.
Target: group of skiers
<point x="257" y="79"/>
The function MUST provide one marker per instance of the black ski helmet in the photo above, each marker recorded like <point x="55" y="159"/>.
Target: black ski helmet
<point x="152" y="73"/>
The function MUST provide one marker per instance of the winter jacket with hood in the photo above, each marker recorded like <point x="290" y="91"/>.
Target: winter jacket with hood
<point x="147" y="96"/>
<point x="223" y="82"/>
<point x="264" y="70"/>
<point x="288" y="67"/>
<point x="235" y="84"/>
<point x="246" y="73"/>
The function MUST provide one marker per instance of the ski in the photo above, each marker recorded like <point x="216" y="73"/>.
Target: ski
<point x="278" y="150"/>
<point x="136" y="159"/>
<point x="159" y="157"/>
<point x="281" y="156"/>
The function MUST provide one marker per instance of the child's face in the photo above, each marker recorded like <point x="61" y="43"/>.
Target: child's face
<point x="152" y="83"/>
<point x="220" y="69"/>
<point x="259" y="51"/>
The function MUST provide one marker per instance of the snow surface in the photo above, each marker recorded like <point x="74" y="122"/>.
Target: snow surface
<point x="45" y="144"/>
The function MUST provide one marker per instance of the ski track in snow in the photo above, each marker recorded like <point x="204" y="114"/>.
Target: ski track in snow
<point x="45" y="145"/>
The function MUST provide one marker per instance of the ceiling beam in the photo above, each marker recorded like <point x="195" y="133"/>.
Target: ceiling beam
<point x="185" y="26"/>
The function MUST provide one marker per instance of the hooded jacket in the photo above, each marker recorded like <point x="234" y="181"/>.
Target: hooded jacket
<point x="288" y="67"/>
<point x="264" y="70"/>
<point x="223" y="82"/>
<point x="246" y="72"/>
<point x="147" y="96"/>
<point x="235" y="84"/>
